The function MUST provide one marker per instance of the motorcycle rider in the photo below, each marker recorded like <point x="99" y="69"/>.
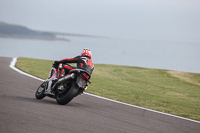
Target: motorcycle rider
<point x="83" y="62"/>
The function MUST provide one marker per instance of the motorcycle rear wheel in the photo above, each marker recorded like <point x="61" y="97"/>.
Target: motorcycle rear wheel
<point x="39" y="94"/>
<point x="66" y="98"/>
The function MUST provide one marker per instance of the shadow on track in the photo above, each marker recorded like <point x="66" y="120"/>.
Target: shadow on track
<point x="43" y="101"/>
<point x="28" y="99"/>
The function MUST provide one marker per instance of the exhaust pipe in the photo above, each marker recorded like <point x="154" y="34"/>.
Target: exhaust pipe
<point x="70" y="76"/>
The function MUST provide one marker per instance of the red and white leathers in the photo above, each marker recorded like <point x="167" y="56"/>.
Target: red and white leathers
<point x="83" y="62"/>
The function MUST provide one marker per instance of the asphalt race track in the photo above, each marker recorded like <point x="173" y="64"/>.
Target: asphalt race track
<point x="20" y="112"/>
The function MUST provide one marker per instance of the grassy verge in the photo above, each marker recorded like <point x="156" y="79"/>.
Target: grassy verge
<point x="171" y="92"/>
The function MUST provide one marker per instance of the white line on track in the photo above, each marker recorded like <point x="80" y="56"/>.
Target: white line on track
<point x="14" y="61"/>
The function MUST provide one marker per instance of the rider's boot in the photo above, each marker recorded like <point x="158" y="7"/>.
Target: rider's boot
<point x="48" y="90"/>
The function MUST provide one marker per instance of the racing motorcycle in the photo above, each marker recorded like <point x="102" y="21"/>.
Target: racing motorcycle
<point x="66" y="87"/>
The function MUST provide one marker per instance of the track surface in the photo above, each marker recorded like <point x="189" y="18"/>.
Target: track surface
<point x="20" y="112"/>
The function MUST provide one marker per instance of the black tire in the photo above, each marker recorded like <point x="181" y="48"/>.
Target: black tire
<point x="39" y="94"/>
<point x="65" y="99"/>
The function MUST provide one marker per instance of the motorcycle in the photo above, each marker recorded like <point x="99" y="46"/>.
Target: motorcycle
<point x="66" y="87"/>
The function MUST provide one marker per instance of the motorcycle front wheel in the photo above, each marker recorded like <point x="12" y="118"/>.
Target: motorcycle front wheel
<point x="65" y="98"/>
<point x="39" y="94"/>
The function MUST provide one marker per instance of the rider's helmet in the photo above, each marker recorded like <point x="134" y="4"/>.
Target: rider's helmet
<point x="86" y="52"/>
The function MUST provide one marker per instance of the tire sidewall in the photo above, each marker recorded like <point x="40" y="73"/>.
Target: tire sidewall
<point x="40" y="95"/>
<point x="73" y="91"/>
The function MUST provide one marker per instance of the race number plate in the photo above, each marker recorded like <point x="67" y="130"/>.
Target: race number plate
<point x="81" y="82"/>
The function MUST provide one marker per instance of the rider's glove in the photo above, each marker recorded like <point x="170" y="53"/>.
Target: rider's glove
<point x="55" y="64"/>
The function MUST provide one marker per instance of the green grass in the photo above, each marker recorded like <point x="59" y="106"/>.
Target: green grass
<point x="171" y="92"/>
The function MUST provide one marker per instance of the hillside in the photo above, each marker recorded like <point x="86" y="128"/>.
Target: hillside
<point x="17" y="31"/>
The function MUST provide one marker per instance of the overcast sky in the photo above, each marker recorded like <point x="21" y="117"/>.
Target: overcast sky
<point x="172" y="20"/>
